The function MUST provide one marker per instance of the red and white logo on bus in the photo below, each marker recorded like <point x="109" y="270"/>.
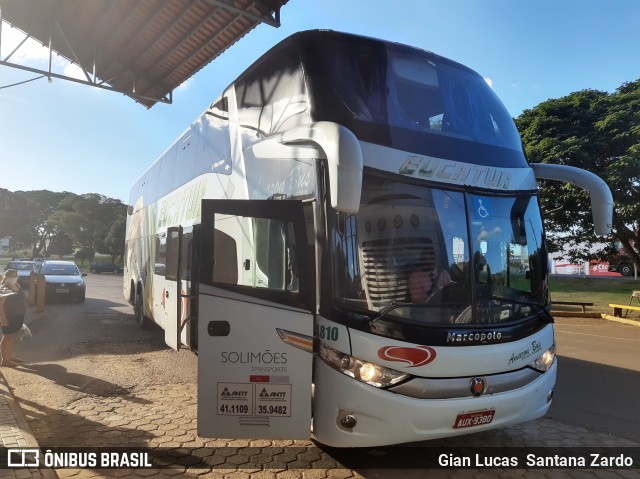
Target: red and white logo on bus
<point x="413" y="357"/>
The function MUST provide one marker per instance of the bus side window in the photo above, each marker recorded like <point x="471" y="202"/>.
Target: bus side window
<point x="272" y="98"/>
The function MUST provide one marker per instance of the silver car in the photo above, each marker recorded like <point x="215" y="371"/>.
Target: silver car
<point x="24" y="269"/>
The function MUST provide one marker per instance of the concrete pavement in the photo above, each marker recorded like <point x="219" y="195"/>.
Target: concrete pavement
<point x="298" y="460"/>
<point x="149" y="419"/>
<point x="14" y="429"/>
<point x="15" y="432"/>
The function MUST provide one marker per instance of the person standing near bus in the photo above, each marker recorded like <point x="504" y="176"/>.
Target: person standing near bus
<point x="12" y="309"/>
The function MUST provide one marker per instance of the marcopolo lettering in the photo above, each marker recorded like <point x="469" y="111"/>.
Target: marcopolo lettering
<point x="473" y="337"/>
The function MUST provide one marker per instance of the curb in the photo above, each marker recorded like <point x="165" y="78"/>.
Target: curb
<point x="574" y="314"/>
<point x="567" y="314"/>
<point x="630" y="322"/>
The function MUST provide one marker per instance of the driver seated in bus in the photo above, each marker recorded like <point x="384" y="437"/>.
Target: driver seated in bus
<point x="428" y="279"/>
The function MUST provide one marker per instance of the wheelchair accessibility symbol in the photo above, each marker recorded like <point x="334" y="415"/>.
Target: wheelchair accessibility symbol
<point x="482" y="208"/>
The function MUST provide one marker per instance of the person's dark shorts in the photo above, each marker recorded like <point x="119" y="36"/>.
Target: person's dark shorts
<point x="13" y="327"/>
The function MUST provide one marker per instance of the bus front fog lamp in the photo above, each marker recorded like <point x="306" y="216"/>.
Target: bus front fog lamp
<point x="348" y="421"/>
<point x="367" y="372"/>
<point x="545" y="360"/>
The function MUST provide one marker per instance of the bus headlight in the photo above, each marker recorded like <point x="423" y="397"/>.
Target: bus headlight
<point x="370" y="373"/>
<point x="545" y="361"/>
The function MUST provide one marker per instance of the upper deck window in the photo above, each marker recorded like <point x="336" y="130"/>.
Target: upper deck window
<point x="411" y="100"/>
<point x="272" y="97"/>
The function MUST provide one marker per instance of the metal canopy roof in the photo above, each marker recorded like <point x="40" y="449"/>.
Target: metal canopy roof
<point x="142" y="48"/>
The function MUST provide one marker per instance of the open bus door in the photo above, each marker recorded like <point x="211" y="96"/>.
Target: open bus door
<point x="180" y="287"/>
<point x="172" y="300"/>
<point x="255" y="327"/>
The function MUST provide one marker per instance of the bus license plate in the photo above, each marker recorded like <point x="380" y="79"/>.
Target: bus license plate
<point x="476" y="418"/>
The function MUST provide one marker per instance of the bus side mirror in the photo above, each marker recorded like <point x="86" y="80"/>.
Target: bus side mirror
<point x="601" y="198"/>
<point x="342" y="151"/>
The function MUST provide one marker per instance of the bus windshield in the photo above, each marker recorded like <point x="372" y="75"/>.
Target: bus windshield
<point x="409" y="253"/>
<point x="412" y="100"/>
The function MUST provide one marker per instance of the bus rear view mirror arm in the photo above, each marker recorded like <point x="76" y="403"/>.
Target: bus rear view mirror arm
<point x="342" y="151"/>
<point x="601" y="198"/>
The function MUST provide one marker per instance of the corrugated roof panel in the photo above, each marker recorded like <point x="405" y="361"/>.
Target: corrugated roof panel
<point x="156" y="44"/>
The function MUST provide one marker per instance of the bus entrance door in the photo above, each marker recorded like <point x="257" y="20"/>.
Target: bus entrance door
<point x="172" y="300"/>
<point x="255" y="327"/>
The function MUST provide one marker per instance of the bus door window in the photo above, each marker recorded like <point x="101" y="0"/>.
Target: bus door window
<point x="159" y="268"/>
<point x="260" y="256"/>
<point x="194" y="281"/>
<point x="186" y="279"/>
<point x="160" y="259"/>
<point x="173" y="255"/>
<point x="225" y="254"/>
<point x="186" y="248"/>
<point x="275" y="255"/>
<point x="269" y="257"/>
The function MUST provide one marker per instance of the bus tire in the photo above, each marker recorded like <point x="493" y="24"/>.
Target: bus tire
<point x="626" y="269"/>
<point x="138" y="309"/>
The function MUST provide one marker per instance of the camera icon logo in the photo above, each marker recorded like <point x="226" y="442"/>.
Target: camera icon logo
<point x="23" y="457"/>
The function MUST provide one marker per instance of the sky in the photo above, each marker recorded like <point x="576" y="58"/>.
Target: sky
<point x="64" y="136"/>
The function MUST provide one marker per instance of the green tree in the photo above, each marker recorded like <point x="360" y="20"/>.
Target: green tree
<point x="60" y="245"/>
<point x="35" y="233"/>
<point x="113" y="244"/>
<point x="87" y="220"/>
<point x="599" y="132"/>
<point x="81" y="255"/>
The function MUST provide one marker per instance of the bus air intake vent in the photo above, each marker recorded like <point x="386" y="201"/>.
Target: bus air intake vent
<point x="388" y="264"/>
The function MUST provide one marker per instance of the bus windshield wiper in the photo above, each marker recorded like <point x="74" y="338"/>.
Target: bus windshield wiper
<point x="387" y="309"/>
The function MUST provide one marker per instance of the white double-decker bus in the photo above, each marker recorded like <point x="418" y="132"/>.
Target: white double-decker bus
<point x="350" y="237"/>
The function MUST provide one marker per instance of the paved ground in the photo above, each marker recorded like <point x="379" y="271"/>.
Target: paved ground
<point x="129" y="421"/>
<point x="15" y="432"/>
<point x="111" y="409"/>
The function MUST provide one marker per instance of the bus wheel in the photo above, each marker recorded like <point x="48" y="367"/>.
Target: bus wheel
<point x="626" y="269"/>
<point x="138" y="310"/>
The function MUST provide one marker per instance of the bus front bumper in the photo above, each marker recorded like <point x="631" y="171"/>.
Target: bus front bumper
<point x="384" y="418"/>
